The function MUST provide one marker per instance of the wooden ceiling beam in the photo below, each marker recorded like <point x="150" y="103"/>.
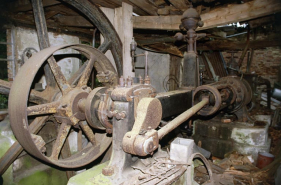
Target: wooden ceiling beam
<point x="146" y="6"/>
<point x="75" y="21"/>
<point x="217" y="17"/>
<point x="230" y="45"/>
<point x="18" y="7"/>
<point x="118" y="3"/>
<point x="180" y="4"/>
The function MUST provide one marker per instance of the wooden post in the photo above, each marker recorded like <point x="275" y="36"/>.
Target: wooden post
<point x="121" y="18"/>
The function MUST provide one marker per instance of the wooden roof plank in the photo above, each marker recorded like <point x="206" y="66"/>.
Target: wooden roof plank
<point x="220" y="16"/>
<point x="75" y="21"/>
<point x="146" y="6"/>
<point x="180" y="4"/>
<point x="17" y="7"/>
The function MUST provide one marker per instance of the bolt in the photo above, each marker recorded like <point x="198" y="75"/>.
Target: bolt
<point x="140" y="79"/>
<point x="120" y="115"/>
<point x="110" y="114"/>
<point x="128" y="136"/>
<point x="149" y="147"/>
<point x="147" y="80"/>
<point x="121" y="81"/>
<point x="239" y="89"/>
<point x="129" y="81"/>
<point x="108" y="171"/>
<point x="238" y="100"/>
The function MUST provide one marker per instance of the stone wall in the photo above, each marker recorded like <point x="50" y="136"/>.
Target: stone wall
<point x="25" y="37"/>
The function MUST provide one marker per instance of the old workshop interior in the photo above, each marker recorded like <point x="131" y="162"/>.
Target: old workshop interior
<point x="140" y="92"/>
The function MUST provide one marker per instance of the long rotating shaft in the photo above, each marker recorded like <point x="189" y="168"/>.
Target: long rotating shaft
<point x="182" y="118"/>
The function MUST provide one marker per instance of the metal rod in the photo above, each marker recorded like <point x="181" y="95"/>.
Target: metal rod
<point x="146" y="53"/>
<point x="6" y="43"/>
<point x="3" y="59"/>
<point x="181" y="118"/>
<point x="236" y="34"/>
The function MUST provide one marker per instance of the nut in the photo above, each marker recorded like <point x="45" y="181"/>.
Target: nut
<point x="108" y="171"/>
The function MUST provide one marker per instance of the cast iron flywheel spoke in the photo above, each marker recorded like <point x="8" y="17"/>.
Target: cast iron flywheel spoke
<point x="47" y="108"/>
<point x="105" y="46"/>
<point x="62" y="135"/>
<point x="75" y="78"/>
<point x="88" y="132"/>
<point x="60" y="78"/>
<point x="87" y="72"/>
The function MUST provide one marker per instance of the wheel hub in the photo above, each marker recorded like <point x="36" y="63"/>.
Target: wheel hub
<point x="72" y="107"/>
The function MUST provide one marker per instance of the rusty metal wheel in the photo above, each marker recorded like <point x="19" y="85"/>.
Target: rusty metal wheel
<point x="112" y="42"/>
<point x="214" y="99"/>
<point x="65" y="104"/>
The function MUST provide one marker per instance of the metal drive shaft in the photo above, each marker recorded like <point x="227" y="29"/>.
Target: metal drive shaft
<point x="181" y="118"/>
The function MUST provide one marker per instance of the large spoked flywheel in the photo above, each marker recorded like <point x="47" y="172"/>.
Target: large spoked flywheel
<point x="66" y="105"/>
<point x="63" y="101"/>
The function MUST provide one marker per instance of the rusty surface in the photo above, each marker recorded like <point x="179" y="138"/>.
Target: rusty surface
<point x="91" y="107"/>
<point x="88" y="132"/>
<point x="105" y="105"/>
<point x="143" y="139"/>
<point x="163" y="171"/>
<point x="230" y="94"/>
<point x="112" y="42"/>
<point x="42" y="109"/>
<point x="215" y="99"/>
<point x="39" y="142"/>
<point x="126" y="93"/>
<point x="108" y="171"/>
<point x="66" y="106"/>
<point x="62" y="135"/>
<point x="206" y="164"/>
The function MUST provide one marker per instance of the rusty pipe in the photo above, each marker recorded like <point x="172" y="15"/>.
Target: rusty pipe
<point x="182" y="118"/>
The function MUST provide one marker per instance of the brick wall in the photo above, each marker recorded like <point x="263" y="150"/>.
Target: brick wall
<point x="265" y="62"/>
